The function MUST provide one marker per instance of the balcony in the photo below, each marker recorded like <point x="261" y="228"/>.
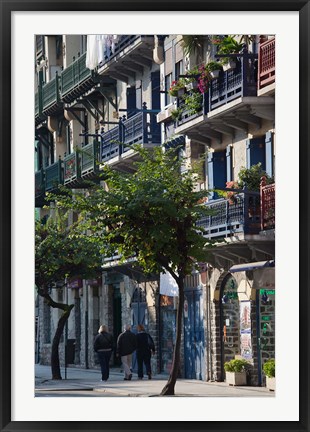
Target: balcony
<point x="141" y="128"/>
<point x="76" y="79"/>
<point x="39" y="188"/>
<point x="72" y="170"/>
<point x="90" y="161"/>
<point x="266" y="64"/>
<point x="131" y="54"/>
<point x="243" y="216"/>
<point x="51" y="103"/>
<point x="38" y="106"/>
<point x="40" y="48"/>
<point x="268" y="207"/>
<point x="231" y="104"/>
<point x="53" y="176"/>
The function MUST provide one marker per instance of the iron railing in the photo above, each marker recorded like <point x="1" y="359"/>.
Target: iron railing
<point x="227" y="217"/>
<point x="90" y="159"/>
<point x="71" y="164"/>
<point x="230" y="85"/>
<point x="138" y="129"/>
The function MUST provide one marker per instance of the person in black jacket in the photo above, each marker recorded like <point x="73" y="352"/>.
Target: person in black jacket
<point x="145" y="349"/>
<point x="103" y="345"/>
<point x="126" y="345"/>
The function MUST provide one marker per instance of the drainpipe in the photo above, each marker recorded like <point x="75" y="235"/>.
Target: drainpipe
<point x="158" y="51"/>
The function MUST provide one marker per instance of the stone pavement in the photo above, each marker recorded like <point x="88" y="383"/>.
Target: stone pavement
<point x="89" y="379"/>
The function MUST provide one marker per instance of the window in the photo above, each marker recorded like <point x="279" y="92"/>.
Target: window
<point x="168" y="82"/>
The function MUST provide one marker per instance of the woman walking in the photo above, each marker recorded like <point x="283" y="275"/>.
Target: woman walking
<point x="103" y="345"/>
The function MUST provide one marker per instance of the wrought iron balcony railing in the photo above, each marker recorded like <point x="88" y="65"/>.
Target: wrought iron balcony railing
<point x="243" y="215"/>
<point x="266" y="63"/>
<point x="124" y="42"/>
<point x="141" y="128"/>
<point x="230" y="85"/>
<point x="39" y="183"/>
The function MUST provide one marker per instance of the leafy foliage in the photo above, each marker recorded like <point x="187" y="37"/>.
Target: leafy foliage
<point x="236" y="365"/>
<point x="63" y="251"/>
<point x="150" y="215"/>
<point x="269" y="368"/>
<point x="251" y="177"/>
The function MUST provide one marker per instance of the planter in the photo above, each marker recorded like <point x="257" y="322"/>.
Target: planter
<point x="230" y="65"/>
<point x="236" y="378"/>
<point x="271" y="383"/>
<point x="215" y="74"/>
<point x="192" y="85"/>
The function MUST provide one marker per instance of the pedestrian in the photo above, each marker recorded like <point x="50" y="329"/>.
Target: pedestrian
<point x="145" y="349"/>
<point x="103" y="346"/>
<point x="126" y="345"/>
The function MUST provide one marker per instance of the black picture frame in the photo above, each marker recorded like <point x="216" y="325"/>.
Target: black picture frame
<point x="6" y="8"/>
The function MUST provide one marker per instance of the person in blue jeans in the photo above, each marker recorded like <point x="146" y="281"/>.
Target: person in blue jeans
<point x="103" y="346"/>
<point x="144" y="351"/>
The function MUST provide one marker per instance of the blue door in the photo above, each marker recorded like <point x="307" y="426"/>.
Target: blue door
<point x="194" y="341"/>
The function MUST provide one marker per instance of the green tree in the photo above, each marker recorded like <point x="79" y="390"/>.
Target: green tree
<point x="61" y="252"/>
<point x="151" y="215"/>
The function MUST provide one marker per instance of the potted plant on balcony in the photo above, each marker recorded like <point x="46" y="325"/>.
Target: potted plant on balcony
<point x="236" y="372"/>
<point x="177" y="87"/>
<point x="228" y="45"/>
<point x="269" y="369"/>
<point x="214" y="68"/>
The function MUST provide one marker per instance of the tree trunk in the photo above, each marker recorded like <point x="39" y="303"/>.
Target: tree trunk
<point x="168" y="390"/>
<point x="55" y="364"/>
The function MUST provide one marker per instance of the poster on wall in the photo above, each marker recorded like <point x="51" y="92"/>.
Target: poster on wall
<point x="245" y="330"/>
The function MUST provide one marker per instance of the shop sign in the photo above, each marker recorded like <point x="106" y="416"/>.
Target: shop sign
<point x="75" y="283"/>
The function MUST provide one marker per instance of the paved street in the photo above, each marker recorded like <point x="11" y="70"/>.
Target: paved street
<point x="86" y="383"/>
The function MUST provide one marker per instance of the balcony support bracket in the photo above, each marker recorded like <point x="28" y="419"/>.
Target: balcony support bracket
<point x="108" y="98"/>
<point x="72" y="110"/>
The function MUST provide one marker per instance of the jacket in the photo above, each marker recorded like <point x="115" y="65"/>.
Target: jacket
<point x="126" y="343"/>
<point x="102" y="341"/>
<point x="145" y="343"/>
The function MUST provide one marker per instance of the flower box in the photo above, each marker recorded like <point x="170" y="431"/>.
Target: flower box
<point x="230" y="65"/>
<point x="215" y="74"/>
<point x="192" y="85"/>
<point x="236" y="378"/>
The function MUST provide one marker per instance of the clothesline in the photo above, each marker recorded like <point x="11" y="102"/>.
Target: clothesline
<point x="100" y="48"/>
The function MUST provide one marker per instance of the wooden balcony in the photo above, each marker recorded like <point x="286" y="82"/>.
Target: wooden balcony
<point x="243" y="216"/>
<point x="76" y="79"/>
<point x="141" y="128"/>
<point x="38" y="106"/>
<point x="53" y="176"/>
<point x="89" y="159"/>
<point x="266" y="63"/>
<point x="51" y="102"/>
<point x="132" y="53"/>
<point x="267" y="206"/>
<point x="40" y="48"/>
<point x="72" y="170"/>
<point x="39" y="188"/>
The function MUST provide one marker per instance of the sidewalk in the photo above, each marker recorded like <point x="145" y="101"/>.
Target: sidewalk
<point x="89" y="379"/>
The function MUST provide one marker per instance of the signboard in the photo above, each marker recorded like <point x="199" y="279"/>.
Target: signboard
<point x="75" y="283"/>
<point x="245" y="330"/>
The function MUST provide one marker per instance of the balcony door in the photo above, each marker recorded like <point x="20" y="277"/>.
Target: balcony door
<point x="217" y="172"/>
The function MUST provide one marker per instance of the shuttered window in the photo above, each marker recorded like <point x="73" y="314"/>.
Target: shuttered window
<point x="269" y="153"/>
<point x="217" y="175"/>
<point x="178" y="52"/>
<point x="168" y="62"/>
<point x="255" y="152"/>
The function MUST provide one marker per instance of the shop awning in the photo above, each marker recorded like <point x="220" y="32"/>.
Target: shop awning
<point x="251" y="266"/>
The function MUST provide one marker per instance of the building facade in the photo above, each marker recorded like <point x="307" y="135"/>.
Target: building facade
<point x="103" y="93"/>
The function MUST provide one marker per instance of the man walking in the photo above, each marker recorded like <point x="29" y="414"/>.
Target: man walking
<point x="126" y="345"/>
